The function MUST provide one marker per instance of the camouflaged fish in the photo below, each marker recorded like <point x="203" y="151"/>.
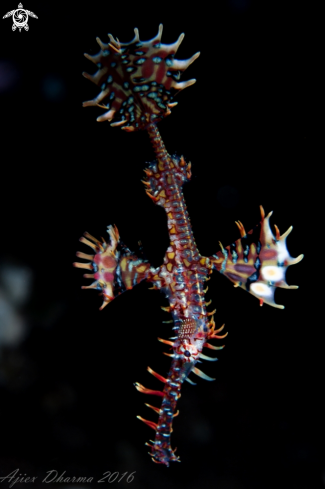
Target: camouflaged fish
<point x="138" y="82"/>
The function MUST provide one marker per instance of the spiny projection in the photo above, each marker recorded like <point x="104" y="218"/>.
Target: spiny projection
<point x="138" y="82"/>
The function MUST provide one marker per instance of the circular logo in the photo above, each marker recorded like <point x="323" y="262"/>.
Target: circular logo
<point x="20" y="18"/>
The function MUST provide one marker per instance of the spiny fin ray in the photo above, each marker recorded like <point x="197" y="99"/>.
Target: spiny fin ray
<point x="138" y="80"/>
<point x="257" y="262"/>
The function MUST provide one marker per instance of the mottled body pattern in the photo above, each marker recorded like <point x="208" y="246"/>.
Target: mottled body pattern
<point x="138" y="81"/>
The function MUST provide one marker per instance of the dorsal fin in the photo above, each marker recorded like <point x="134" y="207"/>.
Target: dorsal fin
<point x="138" y="80"/>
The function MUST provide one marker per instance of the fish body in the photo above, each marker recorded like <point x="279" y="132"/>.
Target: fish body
<point x="138" y="82"/>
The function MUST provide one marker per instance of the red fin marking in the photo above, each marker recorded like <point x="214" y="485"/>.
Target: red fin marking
<point x="138" y="80"/>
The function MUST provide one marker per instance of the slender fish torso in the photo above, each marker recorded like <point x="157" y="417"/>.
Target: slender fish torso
<point x="138" y="81"/>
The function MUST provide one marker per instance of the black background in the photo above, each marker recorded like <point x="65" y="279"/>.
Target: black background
<point x="248" y="127"/>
